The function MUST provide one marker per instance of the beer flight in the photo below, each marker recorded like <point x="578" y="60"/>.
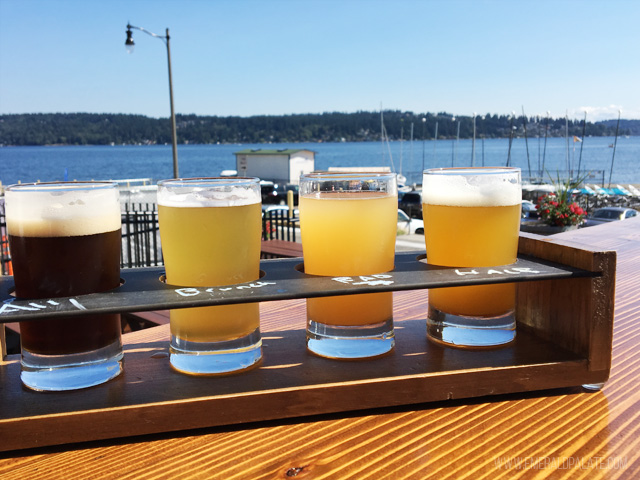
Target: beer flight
<point x="65" y="241"/>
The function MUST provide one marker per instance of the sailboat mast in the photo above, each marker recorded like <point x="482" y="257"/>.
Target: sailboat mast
<point x="424" y="121"/>
<point x="615" y="143"/>
<point x="410" y="147"/>
<point x="457" y="140"/>
<point x="546" y="134"/>
<point x="435" y="141"/>
<point x="382" y="133"/>
<point x="584" y="128"/>
<point x="453" y="145"/>
<point x="526" y="140"/>
<point x="566" y="135"/>
<point x="473" y="144"/>
<point x="513" y="114"/>
<point x="385" y="140"/>
<point x="401" y="142"/>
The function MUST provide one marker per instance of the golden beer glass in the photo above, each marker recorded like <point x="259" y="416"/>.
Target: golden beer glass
<point x="472" y="219"/>
<point x="210" y="230"/>
<point x="348" y="227"/>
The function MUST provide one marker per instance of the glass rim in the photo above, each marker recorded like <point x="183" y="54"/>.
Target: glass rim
<point x="471" y="170"/>
<point x="347" y="175"/>
<point x="208" y="181"/>
<point x="61" y="186"/>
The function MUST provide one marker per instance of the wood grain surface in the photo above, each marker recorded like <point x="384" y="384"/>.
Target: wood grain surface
<point x="562" y="433"/>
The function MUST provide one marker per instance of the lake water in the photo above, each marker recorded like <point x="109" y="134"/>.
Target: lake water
<point x="30" y="164"/>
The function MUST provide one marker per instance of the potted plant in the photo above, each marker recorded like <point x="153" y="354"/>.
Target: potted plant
<point x="557" y="211"/>
<point x="560" y="212"/>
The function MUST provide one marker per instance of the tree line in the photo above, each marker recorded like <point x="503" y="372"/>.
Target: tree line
<point x="106" y="129"/>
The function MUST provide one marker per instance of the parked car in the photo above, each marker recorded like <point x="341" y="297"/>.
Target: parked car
<point x="269" y="191"/>
<point x="407" y="225"/>
<point x="410" y="203"/>
<point x="529" y="209"/>
<point x="276" y="193"/>
<point x="266" y="209"/>
<point x="609" y="214"/>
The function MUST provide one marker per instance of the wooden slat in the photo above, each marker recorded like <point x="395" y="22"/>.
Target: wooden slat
<point x="280" y="249"/>
<point x="289" y="383"/>
<point x="577" y="314"/>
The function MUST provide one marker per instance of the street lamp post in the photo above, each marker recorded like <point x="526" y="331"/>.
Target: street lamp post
<point x="129" y="46"/>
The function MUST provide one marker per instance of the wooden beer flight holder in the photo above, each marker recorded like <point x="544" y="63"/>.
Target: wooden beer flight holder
<point x="565" y="323"/>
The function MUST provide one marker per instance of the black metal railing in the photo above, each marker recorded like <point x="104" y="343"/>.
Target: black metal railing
<point x="5" y="257"/>
<point x="141" y="235"/>
<point x="278" y="225"/>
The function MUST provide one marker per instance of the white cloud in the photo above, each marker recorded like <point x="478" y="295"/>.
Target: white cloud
<point x="595" y="114"/>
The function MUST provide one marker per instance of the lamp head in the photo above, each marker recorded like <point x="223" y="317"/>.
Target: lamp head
<point x="128" y="44"/>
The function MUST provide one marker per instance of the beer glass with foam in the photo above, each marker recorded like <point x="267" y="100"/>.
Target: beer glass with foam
<point x="210" y="229"/>
<point x="65" y="240"/>
<point x="472" y="219"/>
<point x="348" y="225"/>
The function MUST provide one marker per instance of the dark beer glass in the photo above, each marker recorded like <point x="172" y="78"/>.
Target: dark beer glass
<point x="65" y="241"/>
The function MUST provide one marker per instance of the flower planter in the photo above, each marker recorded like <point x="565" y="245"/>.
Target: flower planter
<point x="544" y="229"/>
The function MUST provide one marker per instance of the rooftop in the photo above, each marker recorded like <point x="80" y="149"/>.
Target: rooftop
<point x="282" y="151"/>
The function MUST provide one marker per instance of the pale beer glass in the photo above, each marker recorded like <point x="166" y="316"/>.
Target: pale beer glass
<point x="348" y="225"/>
<point x="210" y="230"/>
<point x="472" y="219"/>
<point x="65" y="240"/>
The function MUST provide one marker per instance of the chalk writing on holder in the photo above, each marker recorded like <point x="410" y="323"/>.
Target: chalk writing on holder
<point x="378" y="279"/>
<point x="493" y="271"/>
<point x="9" y="307"/>
<point x="192" y="291"/>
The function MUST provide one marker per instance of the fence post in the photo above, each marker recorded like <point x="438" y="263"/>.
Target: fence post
<point x="156" y="228"/>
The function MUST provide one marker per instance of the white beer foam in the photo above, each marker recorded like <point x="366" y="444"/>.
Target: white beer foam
<point x="461" y="191"/>
<point x="56" y="213"/>
<point x="197" y="197"/>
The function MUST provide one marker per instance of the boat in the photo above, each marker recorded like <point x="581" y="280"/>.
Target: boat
<point x="634" y="191"/>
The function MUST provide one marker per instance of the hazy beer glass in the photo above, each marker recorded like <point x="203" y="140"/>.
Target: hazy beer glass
<point x="65" y="241"/>
<point x="472" y="219"/>
<point x="210" y="229"/>
<point x="348" y="225"/>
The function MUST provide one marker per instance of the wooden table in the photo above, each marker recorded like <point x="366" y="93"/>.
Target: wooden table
<point x="566" y="433"/>
<point x="280" y="249"/>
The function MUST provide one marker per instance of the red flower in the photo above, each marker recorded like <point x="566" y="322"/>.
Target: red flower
<point x="560" y="213"/>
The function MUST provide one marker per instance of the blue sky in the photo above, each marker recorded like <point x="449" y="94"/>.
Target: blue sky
<point x="254" y="57"/>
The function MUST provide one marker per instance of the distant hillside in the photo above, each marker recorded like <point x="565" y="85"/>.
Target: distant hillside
<point x="105" y="129"/>
<point x="629" y="127"/>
